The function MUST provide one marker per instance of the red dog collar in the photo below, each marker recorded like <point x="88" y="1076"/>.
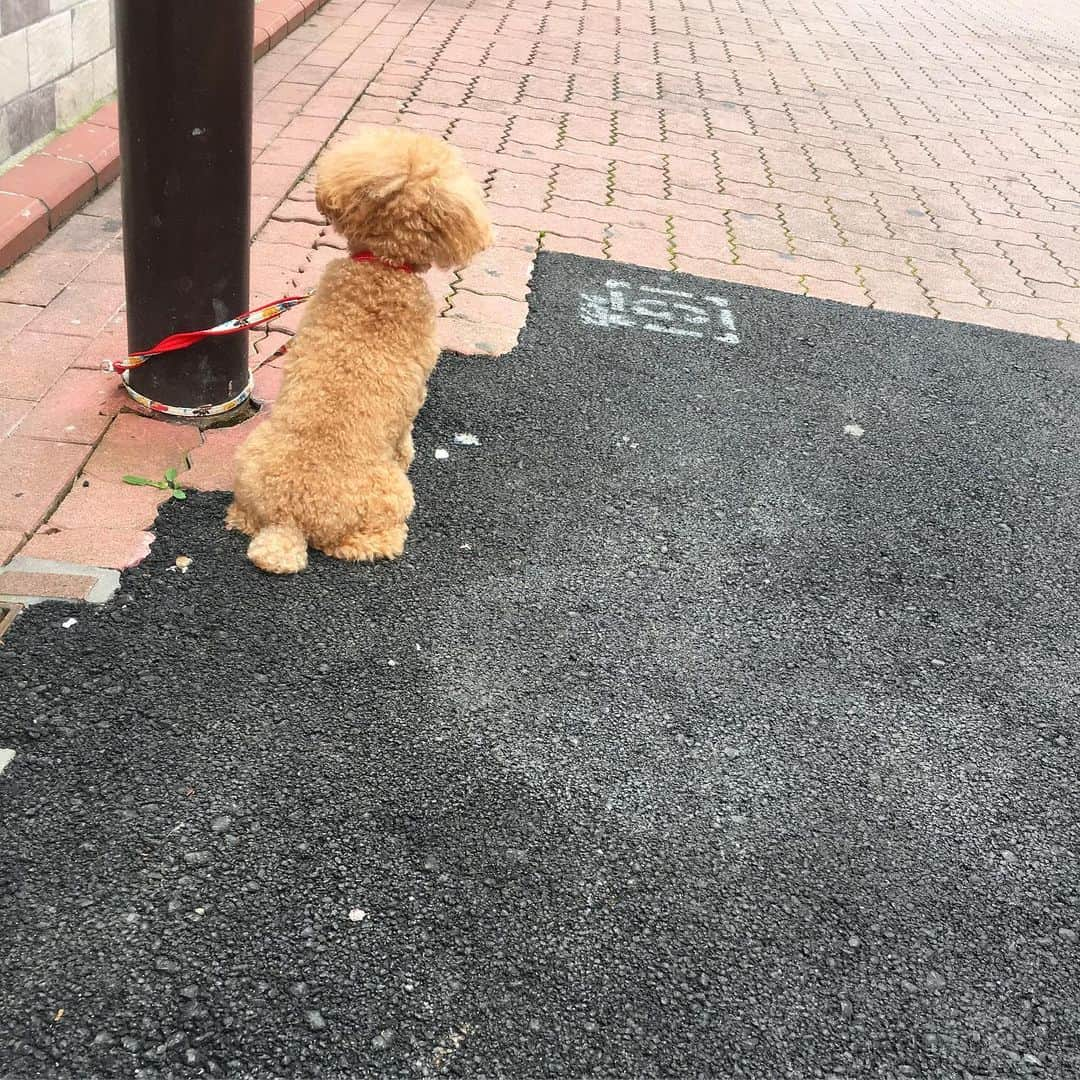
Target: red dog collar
<point x="367" y="257"/>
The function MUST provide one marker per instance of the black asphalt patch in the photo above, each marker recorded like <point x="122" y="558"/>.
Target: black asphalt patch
<point x="695" y="736"/>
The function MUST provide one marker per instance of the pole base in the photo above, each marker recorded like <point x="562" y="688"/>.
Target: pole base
<point x="198" y="412"/>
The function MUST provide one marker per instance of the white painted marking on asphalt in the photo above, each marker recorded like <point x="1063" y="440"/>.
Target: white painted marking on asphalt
<point x="6" y="758"/>
<point x="664" y="311"/>
<point x="667" y="292"/>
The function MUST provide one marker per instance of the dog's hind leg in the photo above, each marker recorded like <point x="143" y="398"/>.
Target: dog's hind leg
<point x="279" y="549"/>
<point x="382" y="530"/>
<point x="240" y="520"/>
<point x="386" y="543"/>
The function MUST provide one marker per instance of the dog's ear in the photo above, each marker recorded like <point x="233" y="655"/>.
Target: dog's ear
<point x="404" y="195"/>
<point x="359" y="177"/>
<point x="459" y="221"/>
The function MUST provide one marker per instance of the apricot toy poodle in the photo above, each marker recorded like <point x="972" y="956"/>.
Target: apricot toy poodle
<point x="329" y="467"/>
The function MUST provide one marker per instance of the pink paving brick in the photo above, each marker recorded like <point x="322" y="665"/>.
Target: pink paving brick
<point x="310" y="128"/>
<point x="58" y="586"/>
<point x="896" y="292"/>
<point x="76" y="409"/>
<point x="499" y="271"/>
<point x="327" y="105"/>
<point x="291" y="93"/>
<point x="489" y="310"/>
<point x="41" y="278"/>
<point x="476" y="339"/>
<point x="301" y="234"/>
<point x="24" y="222"/>
<point x="835" y="290"/>
<point x="295" y="152"/>
<point x="268" y="383"/>
<point x="12" y="411"/>
<point x="13" y="317"/>
<point x="706" y="268"/>
<point x="212" y="462"/>
<point x="701" y="239"/>
<point x="97" y="546"/>
<point x="515" y="189"/>
<point x="110" y="344"/>
<point x="30" y="363"/>
<point x="642" y="246"/>
<point x="764" y="279"/>
<point x="82" y="236"/>
<point x="93" y="144"/>
<point x="947" y="281"/>
<point x="81" y="310"/>
<point x="798" y="265"/>
<point x="590" y="185"/>
<point x="107" y="116"/>
<point x="441" y="285"/>
<point x="1050" y="308"/>
<point x="572" y="245"/>
<point x="33" y="476"/>
<point x="10" y="542"/>
<point x="761" y="231"/>
<point x="106" y="268"/>
<point x="140" y="446"/>
<point x="262" y="206"/>
<point x="93" y="502"/>
<point x="61" y="185"/>
<point x="1004" y="320"/>
<point x="270" y="179"/>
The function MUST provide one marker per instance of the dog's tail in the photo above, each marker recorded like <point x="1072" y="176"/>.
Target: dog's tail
<point x="278" y="549"/>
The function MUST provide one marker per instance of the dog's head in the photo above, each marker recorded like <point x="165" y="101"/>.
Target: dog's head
<point x="405" y="197"/>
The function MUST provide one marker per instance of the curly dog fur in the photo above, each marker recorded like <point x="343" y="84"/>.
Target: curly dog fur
<point x="329" y="468"/>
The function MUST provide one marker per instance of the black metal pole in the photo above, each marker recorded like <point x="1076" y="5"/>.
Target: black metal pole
<point x="185" y="87"/>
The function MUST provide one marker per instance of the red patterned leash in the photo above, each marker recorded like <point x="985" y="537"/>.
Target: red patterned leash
<point x="175" y="342"/>
<point x="185" y="339"/>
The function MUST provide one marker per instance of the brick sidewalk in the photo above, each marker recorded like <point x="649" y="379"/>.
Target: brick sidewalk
<point x="832" y="149"/>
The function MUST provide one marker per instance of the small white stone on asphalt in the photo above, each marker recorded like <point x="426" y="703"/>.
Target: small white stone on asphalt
<point x="6" y="758"/>
<point x="356" y="915"/>
<point x="67" y="624"/>
<point x="441" y="454"/>
<point x="854" y="430"/>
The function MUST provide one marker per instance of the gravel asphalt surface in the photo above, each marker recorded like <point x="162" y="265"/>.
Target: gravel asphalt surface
<point x="720" y="721"/>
